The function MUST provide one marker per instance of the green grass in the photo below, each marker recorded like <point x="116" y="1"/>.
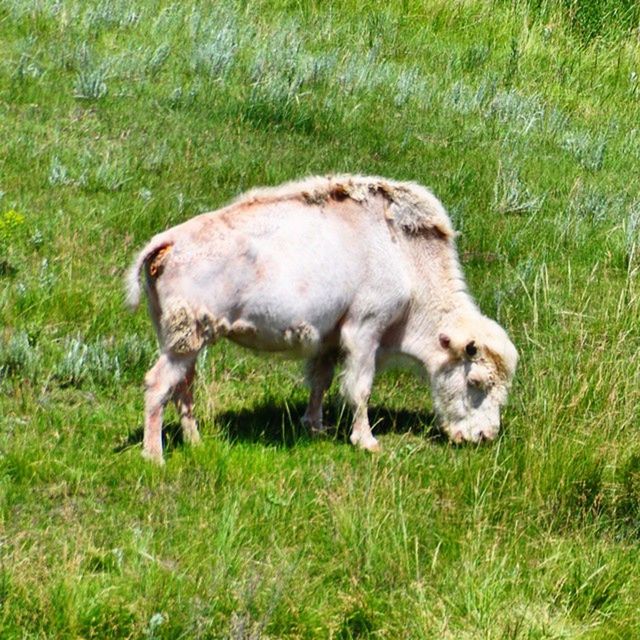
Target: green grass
<point x="118" y="120"/>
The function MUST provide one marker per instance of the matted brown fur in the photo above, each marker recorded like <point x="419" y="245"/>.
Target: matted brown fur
<point x="410" y="206"/>
<point x="155" y="260"/>
<point x="502" y="372"/>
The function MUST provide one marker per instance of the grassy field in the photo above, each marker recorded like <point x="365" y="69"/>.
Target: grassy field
<point x="118" y="119"/>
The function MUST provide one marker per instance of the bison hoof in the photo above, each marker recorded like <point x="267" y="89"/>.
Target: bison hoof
<point x="192" y="439"/>
<point x="374" y="446"/>
<point x="152" y="456"/>
<point x="314" y="427"/>
<point x="368" y="443"/>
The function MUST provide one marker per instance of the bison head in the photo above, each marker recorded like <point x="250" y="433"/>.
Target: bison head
<point x="475" y="364"/>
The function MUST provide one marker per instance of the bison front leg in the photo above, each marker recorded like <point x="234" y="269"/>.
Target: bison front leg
<point x="360" y="347"/>
<point x="183" y="398"/>
<point x="161" y="382"/>
<point x="319" y="376"/>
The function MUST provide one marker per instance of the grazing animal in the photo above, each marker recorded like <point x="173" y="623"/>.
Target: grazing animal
<point x="339" y="269"/>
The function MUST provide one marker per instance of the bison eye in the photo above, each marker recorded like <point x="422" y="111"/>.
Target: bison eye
<point x="471" y="349"/>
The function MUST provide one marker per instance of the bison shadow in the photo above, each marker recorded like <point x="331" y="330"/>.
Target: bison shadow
<point x="278" y="425"/>
<point x="282" y="426"/>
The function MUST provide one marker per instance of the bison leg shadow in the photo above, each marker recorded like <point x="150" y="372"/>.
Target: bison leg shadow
<point x="275" y="424"/>
<point x="282" y="426"/>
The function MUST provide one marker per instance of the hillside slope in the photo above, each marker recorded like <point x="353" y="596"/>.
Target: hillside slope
<point x="119" y="119"/>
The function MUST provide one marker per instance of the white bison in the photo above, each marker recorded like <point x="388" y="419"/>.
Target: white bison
<point x="343" y="268"/>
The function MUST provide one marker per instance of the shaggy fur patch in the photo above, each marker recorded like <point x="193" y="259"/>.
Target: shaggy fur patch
<point x="302" y="335"/>
<point x="180" y="330"/>
<point x="410" y="206"/>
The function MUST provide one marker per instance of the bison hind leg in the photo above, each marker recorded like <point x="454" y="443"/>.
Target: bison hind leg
<point x="183" y="398"/>
<point x="161" y="383"/>
<point x="319" y="376"/>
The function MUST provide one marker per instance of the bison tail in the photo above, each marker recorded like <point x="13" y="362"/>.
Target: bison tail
<point x="151" y="255"/>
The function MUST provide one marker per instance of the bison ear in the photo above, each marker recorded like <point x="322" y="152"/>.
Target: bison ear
<point x="445" y="340"/>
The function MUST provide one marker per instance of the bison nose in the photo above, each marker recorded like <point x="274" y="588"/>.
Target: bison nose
<point x="485" y="435"/>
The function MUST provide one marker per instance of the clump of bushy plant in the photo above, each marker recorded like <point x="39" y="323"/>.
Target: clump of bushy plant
<point x="19" y="356"/>
<point x="102" y="362"/>
<point x="58" y="173"/>
<point x="157" y="59"/>
<point x="110" y="14"/>
<point x="587" y="149"/>
<point x="632" y="232"/>
<point x="520" y="111"/>
<point x="596" y="205"/>
<point x="215" y="57"/>
<point x="90" y="82"/>
<point x="510" y="195"/>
